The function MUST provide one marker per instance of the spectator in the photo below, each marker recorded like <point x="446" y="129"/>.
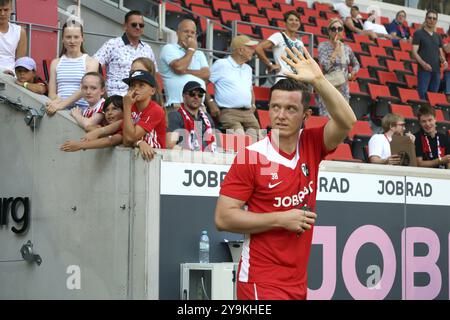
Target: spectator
<point x="93" y="89"/>
<point x="427" y="50"/>
<point x="117" y="54"/>
<point x="336" y="57"/>
<point x="275" y="180"/>
<point x="432" y="148"/>
<point x="25" y="69"/>
<point x="103" y="137"/>
<point x="232" y="79"/>
<point x="371" y="25"/>
<point x="343" y="8"/>
<point x="67" y="70"/>
<point x="191" y="128"/>
<point x="379" y="144"/>
<point x="354" y="24"/>
<point x="144" y="119"/>
<point x="279" y="41"/>
<point x="146" y="64"/>
<point x="446" y="47"/>
<point x="397" y="28"/>
<point x="181" y="63"/>
<point x="13" y="39"/>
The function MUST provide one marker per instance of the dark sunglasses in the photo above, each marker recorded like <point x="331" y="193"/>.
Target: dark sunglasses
<point x="198" y="94"/>
<point x="336" y="29"/>
<point x="432" y="18"/>
<point x="135" y="24"/>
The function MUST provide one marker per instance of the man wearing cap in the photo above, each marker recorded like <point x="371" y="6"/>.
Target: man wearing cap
<point x="190" y="127"/>
<point x="143" y="119"/>
<point x="25" y="69"/>
<point x="232" y="79"/>
<point x="181" y="63"/>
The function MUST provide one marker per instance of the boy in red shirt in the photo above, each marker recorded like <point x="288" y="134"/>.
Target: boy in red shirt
<point x="143" y="119"/>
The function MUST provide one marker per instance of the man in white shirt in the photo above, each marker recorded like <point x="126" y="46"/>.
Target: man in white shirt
<point x="119" y="53"/>
<point x="181" y="63"/>
<point x="232" y="79"/>
<point x="13" y="39"/>
<point x="379" y="144"/>
<point x="343" y="8"/>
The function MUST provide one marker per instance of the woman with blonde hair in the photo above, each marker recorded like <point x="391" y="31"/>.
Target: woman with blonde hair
<point x="335" y="57"/>
<point x="66" y="72"/>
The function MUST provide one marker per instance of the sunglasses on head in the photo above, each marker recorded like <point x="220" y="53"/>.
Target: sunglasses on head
<point x="336" y="29"/>
<point x="194" y="93"/>
<point x="135" y="25"/>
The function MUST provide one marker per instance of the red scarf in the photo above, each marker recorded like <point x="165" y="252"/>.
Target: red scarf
<point x="195" y="141"/>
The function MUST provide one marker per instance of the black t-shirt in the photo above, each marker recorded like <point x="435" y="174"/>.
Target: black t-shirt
<point x="422" y="149"/>
<point x="176" y="121"/>
<point x="428" y="48"/>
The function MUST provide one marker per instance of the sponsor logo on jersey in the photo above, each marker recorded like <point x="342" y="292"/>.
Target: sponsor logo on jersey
<point x="294" y="200"/>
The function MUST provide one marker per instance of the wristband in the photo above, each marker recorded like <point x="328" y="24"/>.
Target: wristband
<point x="191" y="49"/>
<point x="25" y="85"/>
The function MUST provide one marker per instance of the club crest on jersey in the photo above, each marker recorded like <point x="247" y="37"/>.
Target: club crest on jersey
<point x="305" y="170"/>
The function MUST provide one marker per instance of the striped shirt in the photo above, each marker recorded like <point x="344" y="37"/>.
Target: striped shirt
<point x="69" y="72"/>
<point x="97" y="108"/>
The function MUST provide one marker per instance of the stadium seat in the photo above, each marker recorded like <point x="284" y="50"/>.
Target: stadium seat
<point x="381" y="54"/>
<point x="359" y="101"/>
<point x="203" y="11"/>
<point x="228" y="16"/>
<point x="272" y="14"/>
<point x="315" y="121"/>
<point x="233" y="142"/>
<point x="267" y="32"/>
<point x="364" y="78"/>
<point x="220" y="4"/>
<point x="382" y="100"/>
<point x="390" y="79"/>
<point x="262" y="95"/>
<point x="399" y="68"/>
<point x="258" y="20"/>
<point x="263" y="118"/>
<point x="263" y="4"/>
<point x="372" y="64"/>
<point x="387" y="45"/>
<point x="342" y="153"/>
<point x="411" y="81"/>
<point x="248" y="9"/>
<point x="411" y="97"/>
<point x="411" y="122"/>
<point x="438" y="100"/>
<point x="405" y="46"/>
<point x="402" y="56"/>
<point x="187" y="3"/>
<point x="361" y="128"/>
<point x="284" y="7"/>
<point x="357" y="50"/>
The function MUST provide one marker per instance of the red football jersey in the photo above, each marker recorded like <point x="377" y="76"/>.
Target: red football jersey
<point x="271" y="181"/>
<point x="153" y="120"/>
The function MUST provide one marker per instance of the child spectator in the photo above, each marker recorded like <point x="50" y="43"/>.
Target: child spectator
<point x="25" y="69"/>
<point x="144" y="119"/>
<point x="147" y="64"/>
<point x="93" y="89"/>
<point x="67" y="70"/>
<point x="103" y="137"/>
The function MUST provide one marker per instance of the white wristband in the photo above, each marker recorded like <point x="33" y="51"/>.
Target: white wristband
<point x="191" y="49"/>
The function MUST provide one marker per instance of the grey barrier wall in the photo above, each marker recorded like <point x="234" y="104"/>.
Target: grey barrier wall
<point x="108" y="225"/>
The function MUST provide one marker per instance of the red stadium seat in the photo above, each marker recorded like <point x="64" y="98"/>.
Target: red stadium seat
<point x="228" y="16"/>
<point x="267" y="32"/>
<point x="187" y="3"/>
<point x="411" y="81"/>
<point x="235" y="3"/>
<point x="201" y="10"/>
<point x="261" y="93"/>
<point x="263" y="4"/>
<point x="248" y="9"/>
<point x="411" y="97"/>
<point x="219" y="4"/>
<point x="405" y="46"/>
<point x="272" y="14"/>
<point x="437" y="99"/>
<point x="364" y="78"/>
<point x="258" y="20"/>
<point x="383" y="99"/>
<point x="359" y="101"/>
<point x="372" y="64"/>
<point x="404" y="110"/>
<point x="361" y="128"/>
<point x="286" y="7"/>
<point x="342" y="153"/>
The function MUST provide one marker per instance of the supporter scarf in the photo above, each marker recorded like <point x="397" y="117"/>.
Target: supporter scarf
<point x="195" y="141"/>
<point x="426" y="147"/>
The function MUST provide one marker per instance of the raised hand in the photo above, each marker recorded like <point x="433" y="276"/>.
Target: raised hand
<point x="306" y="67"/>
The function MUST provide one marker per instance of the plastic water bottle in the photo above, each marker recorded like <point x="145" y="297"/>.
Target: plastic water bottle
<point x="204" y="247"/>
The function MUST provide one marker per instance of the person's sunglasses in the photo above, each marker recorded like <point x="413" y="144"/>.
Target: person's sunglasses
<point x="198" y="94"/>
<point x="135" y="25"/>
<point x="336" y="29"/>
<point x="432" y="18"/>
